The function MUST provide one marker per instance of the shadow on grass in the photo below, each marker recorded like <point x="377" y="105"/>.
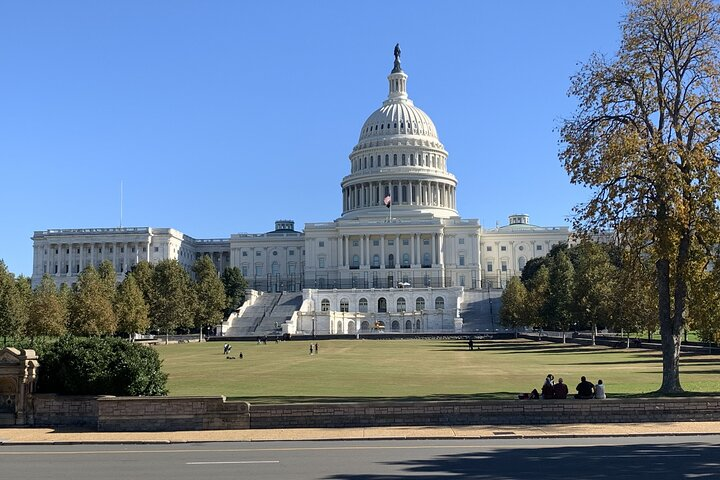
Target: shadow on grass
<point x="428" y="398"/>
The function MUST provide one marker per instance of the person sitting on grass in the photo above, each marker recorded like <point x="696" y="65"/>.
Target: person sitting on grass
<point x="548" y="392"/>
<point x="585" y="389"/>
<point x="560" y="389"/>
<point x="600" y="390"/>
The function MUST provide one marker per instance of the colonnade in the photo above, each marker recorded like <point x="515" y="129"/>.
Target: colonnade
<point x="416" y="253"/>
<point x="71" y="258"/>
<point x="410" y="192"/>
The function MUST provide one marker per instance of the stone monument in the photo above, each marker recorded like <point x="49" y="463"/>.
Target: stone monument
<point x="18" y="373"/>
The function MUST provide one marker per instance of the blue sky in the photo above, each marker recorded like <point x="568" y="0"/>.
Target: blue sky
<point x="217" y="116"/>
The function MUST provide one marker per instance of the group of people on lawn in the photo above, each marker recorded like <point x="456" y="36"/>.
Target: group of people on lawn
<point x="585" y="389"/>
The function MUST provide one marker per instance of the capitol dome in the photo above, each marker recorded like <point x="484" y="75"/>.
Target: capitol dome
<point x="399" y="155"/>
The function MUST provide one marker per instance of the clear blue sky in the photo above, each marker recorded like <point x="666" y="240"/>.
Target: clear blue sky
<point x="217" y="116"/>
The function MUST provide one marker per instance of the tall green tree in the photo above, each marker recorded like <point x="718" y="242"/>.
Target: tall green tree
<point x="174" y="302"/>
<point x="48" y="311"/>
<point x="143" y="273"/>
<point x="91" y="308"/>
<point x="108" y="277"/>
<point x="514" y="307"/>
<point x="560" y="305"/>
<point x="130" y="307"/>
<point x="537" y="287"/>
<point x="235" y="285"/>
<point x="210" y="292"/>
<point x="24" y="289"/>
<point x="645" y="140"/>
<point x="594" y="288"/>
<point x="11" y="306"/>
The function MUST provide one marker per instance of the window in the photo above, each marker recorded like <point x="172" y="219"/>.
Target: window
<point x="521" y="248"/>
<point x="376" y="243"/>
<point x="291" y="253"/>
<point x="488" y="249"/>
<point x="489" y="267"/>
<point x="419" y="304"/>
<point x="426" y="242"/>
<point x="539" y="247"/>
<point x="503" y="266"/>
<point x="356" y="261"/>
<point x="461" y="260"/>
<point x="439" y="303"/>
<point x="521" y="263"/>
<point x="356" y="243"/>
<point x="258" y="270"/>
<point x="426" y="259"/>
<point x="344" y="305"/>
<point x="401" y="304"/>
<point x="461" y="241"/>
<point x="391" y="242"/>
<point x="406" y="259"/>
<point x="321" y="244"/>
<point x="503" y="248"/>
<point x="291" y="268"/>
<point x="275" y="268"/>
<point x="325" y="305"/>
<point x="244" y="254"/>
<point x="382" y="305"/>
<point x="156" y="249"/>
<point x="395" y="159"/>
<point x="78" y="250"/>
<point x="244" y="270"/>
<point x="321" y="262"/>
<point x="376" y="261"/>
<point x="406" y="242"/>
<point x="274" y="252"/>
<point x="363" y="305"/>
<point x="122" y="250"/>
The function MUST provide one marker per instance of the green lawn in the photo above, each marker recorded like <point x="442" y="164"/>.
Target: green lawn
<point x="349" y="370"/>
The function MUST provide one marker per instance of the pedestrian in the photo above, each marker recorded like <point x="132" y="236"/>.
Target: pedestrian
<point x="311" y="349"/>
<point x="316" y="349"/>
<point x="470" y="344"/>
<point x="225" y="349"/>
<point x="240" y="356"/>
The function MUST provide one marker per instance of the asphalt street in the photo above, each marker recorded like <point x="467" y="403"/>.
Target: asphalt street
<point x="510" y="459"/>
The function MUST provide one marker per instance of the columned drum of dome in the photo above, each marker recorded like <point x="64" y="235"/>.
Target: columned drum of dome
<point x="399" y="154"/>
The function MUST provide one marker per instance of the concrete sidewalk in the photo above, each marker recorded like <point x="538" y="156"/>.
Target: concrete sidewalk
<point x="29" y="436"/>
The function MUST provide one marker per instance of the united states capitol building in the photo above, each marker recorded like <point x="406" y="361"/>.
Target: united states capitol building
<point x="399" y="257"/>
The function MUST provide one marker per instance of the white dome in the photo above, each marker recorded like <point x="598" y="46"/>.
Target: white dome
<point x="398" y="118"/>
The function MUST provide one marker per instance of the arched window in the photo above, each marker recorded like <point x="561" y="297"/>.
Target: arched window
<point x="382" y="305"/>
<point x="365" y="326"/>
<point x="412" y="159"/>
<point x="439" y="303"/>
<point x="419" y="304"/>
<point x="391" y="261"/>
<point x="275" y="268"/>
<point x="418" y="325"/>
<point x="406" y="259"/>
<point x="376" y="261"/>
<point x="371" y="161"/>
<point x="339" y="328"/>
<point x="394" y="158"/>
<point x="521" y="263"/>
<point x="351" y="327"/>
<point x="344" y="305"/>
<point x="401" y="304"/>
<point x="395" y="326"/>
<point x="363" y="305"/>
<point x="387" y="160"/>
<point x="403" y="159"/>
<point x="408" y="326"/>
<point x="325" y="305"/>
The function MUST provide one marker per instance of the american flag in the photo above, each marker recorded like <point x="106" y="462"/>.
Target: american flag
<point x="387" y="201"/>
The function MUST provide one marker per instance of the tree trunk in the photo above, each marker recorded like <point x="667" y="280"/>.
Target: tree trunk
<point x="669" y="335"/>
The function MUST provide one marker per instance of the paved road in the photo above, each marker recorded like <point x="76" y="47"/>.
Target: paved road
<point x="505" y="459"/>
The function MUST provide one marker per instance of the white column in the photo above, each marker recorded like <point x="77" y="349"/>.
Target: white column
<point x="412" y="249"/>
<point x="434" y="257"/>
<point x="397" y="251"/>
<point x="382" y="251"/>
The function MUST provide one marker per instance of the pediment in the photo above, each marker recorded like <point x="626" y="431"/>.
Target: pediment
<point x="9" y="355"/>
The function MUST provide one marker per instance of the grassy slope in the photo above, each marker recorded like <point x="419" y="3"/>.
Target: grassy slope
<point x="407" y="369"/>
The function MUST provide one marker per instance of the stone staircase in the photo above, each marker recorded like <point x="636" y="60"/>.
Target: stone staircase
<point x="269" y="310"/>
<point x="476" y="311"/>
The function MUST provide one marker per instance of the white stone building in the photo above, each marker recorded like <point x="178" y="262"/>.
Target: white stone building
<point x="400" y="227"/>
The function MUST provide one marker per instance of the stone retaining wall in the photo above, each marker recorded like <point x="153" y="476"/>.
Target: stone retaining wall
<point x="209" y="413"/>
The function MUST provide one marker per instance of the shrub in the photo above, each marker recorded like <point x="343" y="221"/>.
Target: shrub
<point x="101" y="366"/>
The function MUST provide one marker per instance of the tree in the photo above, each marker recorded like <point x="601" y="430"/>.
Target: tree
<point x="108" y="277"/>
<point x="23" y="285"/>
<point x="235" y="285"/>
<point x="645" y="140"/>
<point x="130" y="307"/>
<point x="559" y="307"/>
<point x="513" y="309"/>
<point x="594" y="289"/>
<point x="174" y="301"/>
<point x="10" y="304"/>
<point x="91" y="309"/>
<point x="143" y="273"/>
<point x="48" y="311"/>
<point x="210" y="292"/>
<point x="537" y="288"/>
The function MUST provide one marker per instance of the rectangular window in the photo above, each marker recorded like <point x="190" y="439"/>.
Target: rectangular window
<point x="376" y="243"/>
<point x="426" y="242"/>
<point x="391" y="242"/>
<point x="78" y="250"/>
<point x="539" y="247"/>
<point x="144" y="249"/>
<point x="489" y="267"/>
<point x="503" y="266"/>
<point x="244" y="254"/>
<point x="406" y="242"/>
<point x="321" y="244"/>
<point x="258" y="253"/>
<point x="461" y="241"/>
<point x="122" y="249"/>
<point x="291" y="252"/>
<point x="156" y="249"/>
<point x="258" y="270"/>
<point x="356" y="243"/>
<point x="503" y="248"/>
<point x="462" y="260"/>
<point x="244" y="270"/>
<point x="488" y="249"/>
<point x="321" y="262"/>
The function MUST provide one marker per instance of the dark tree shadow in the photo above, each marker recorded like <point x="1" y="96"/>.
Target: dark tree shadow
<point x="595" y="462"/>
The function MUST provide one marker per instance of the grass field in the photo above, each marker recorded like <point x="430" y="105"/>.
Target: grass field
<point x="355" y="370"/>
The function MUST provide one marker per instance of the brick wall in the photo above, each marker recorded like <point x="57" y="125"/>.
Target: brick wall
<point x="210" y="413"/>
